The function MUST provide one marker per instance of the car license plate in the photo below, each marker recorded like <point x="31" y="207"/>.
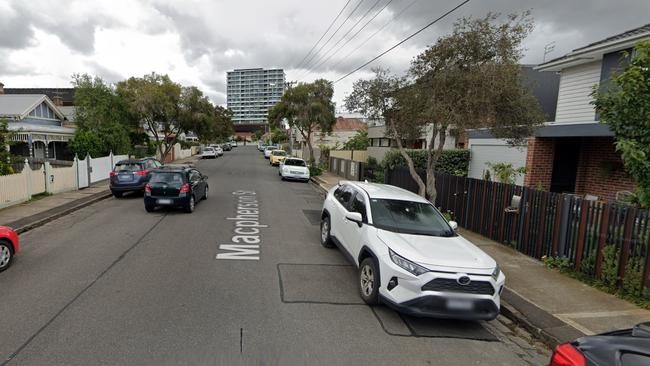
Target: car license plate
<point x="460" y="304"/>
<point x="164" y="202"/>
<point x="122" y="177"/>
<point x="295" y="172"/>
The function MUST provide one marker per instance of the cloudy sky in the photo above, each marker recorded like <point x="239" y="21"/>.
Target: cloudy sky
<point x="42" y="43"/>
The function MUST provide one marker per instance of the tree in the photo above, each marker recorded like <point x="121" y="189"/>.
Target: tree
<point x="6" y="158"/>
<point x="223" y="125"/>
<point x="278" y="135"/>
<point x="360" y="141"/>
<point x="165" y="109"/>
<point x="102" y="118"/>
<point x="258" y="134"/>
<point x="307" y="107"/>
<point x="624" y="104"/>
<point x="468" y="79"/>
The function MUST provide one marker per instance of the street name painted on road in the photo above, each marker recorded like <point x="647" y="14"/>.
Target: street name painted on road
<point x="245" y="244"/>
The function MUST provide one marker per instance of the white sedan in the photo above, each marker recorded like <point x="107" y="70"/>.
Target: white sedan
<point x="209" y="153"/>
<point x="409" y="257"/>
<point x="294" y="168"/>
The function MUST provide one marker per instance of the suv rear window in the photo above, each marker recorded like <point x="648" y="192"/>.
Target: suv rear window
<point x="129" y="166"/>
<point x="279" y="153"/>
<point x="293" y="162"/>
<point x="167" y="177"/>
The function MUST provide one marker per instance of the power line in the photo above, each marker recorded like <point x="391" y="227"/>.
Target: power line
<point x="402" y="41"/>
<point x="375" y="33"/>
<point x="333" y="34"/>
<point x="321" y="37"/>
<point x="323" y="60"/>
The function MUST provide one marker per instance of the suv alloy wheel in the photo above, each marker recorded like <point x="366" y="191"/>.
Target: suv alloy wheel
<point x="369" y="281"/>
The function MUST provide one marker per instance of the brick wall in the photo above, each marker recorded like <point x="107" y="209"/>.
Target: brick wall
<point x="600" y="169"/>
<point x="539" y="163"/>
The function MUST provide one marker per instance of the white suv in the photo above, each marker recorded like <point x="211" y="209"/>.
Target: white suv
<point x="409" y="257"/>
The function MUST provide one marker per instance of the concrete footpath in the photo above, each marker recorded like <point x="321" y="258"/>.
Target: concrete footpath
<point x="553" y="306"/>
<point x="37" y="212"/>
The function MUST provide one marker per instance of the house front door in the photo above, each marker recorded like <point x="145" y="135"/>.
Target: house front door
<point x="565" y="165"/>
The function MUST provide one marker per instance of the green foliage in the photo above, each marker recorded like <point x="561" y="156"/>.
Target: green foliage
<point x="633" y="277"/>
<point x="315" y="171"/>
<point x="454" y="161"/>
<point x="377" y="170"/>
<point x="360" y="141"/>
<point x="306" y="107"/>
<point x="279" y="135"/>
<point x="624" y="104"/>
<point x="609" y="272"/>
<point x="505" y="172"/>
<point x="100" y="114"/>
<point x="6" y="158"/>
<point x="588" y="264"/>
<point x="563" y="264"/>
<point x="487" y="175"/>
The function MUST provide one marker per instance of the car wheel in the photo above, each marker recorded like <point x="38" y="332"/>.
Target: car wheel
<point x="325" y="238"/>
<point x="205" y="196"/>
<point x="118" y="194"/>
<point x="6" y="255"/>
<point x="149" y="208"/>
<point x="369" y="281"/>
<point x="190" y="206"/>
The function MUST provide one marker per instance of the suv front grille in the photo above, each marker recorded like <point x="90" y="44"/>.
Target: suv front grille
<point x="450" y="285"/>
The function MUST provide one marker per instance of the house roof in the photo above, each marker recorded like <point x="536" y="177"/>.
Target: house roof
<point x="32" y="127"/>
<point x="349" y="124"/>
<point x="19" y="105"/>
<point x="594" y="51"/>
<point x="66" y="94"/>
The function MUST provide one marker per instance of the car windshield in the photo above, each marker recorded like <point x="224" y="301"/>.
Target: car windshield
<point x="209" y="149"/>
<point x="408" y="217"/>
<point x="279" y="153"/>
<point x="172" y="178"/>
<point x="128" y="166"/>
<point x="293" y="162"/>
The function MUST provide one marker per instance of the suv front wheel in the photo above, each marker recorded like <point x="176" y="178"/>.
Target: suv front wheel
<point x="369" y="281"/>
<point x="325" y="239"/>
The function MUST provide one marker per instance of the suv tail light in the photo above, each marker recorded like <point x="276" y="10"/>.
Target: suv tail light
<point x="567" y="355"/>
<point x="112" y="173"/>
<point x="147" y="188"/>
<point x="141" y="172"/>
<point x="185" y="188"/>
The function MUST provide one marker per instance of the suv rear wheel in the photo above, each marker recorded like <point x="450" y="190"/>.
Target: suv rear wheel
<point x="325" y="238"/>
<point x="369" y="281"/>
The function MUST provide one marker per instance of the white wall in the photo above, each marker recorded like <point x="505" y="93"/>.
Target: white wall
<point x="576" y="85"/>
<point x="483" y="151"/>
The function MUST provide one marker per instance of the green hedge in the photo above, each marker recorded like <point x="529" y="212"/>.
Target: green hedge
<point x="454" y="161"/>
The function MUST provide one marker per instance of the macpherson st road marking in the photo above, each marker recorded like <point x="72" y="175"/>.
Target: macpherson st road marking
<point x="245" y="243"/>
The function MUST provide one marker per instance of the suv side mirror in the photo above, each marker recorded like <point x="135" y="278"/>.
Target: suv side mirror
<point x="354" y="217"/>
<point x="454" y="225"/>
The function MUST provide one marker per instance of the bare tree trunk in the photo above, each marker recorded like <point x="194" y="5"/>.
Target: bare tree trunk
<point x="409" y="163"/>
<point x="432" y="160"/>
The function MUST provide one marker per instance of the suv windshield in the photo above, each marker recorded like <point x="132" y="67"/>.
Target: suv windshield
<point x="293" y="162"/>
<point x="409" y="217"/>
<point x="167" y="177"/>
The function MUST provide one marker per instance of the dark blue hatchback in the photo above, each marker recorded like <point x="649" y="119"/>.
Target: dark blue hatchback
<point x="132" y="175"/>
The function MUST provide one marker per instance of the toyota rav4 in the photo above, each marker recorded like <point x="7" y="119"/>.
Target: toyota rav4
<point x="409" y="257"/>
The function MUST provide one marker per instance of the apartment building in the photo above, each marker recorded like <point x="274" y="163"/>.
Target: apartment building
<point x="251" y="93"/>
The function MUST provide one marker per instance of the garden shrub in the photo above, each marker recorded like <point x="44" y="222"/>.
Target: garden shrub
<point x="454" y="161"/>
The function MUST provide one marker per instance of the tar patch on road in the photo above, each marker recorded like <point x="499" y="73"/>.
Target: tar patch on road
<point x="335" y="284"/>
<point x="313" y="216"/>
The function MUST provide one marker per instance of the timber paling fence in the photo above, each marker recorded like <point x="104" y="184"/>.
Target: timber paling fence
<point x="549" y="224"/>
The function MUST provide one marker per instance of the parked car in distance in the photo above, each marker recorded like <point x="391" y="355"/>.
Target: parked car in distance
<point x="261" y="147"/>
<point x="268" y="149"/>
<point x="226" y="147"/>
<point x="294" y="168"/>
<point x="219" y="150"/>
<point x="628" y="347"/>
<point x="277" y="156"/>
<point x="409" y="257"/>
<point x="175" y="186"/>
<point x="131" y="175"/>
<point x="209" y="153"/>
<point x="233" y="143"/>
<point x="9" y="246"/>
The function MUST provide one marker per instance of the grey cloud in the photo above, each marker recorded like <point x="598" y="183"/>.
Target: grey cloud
<point x="15" y="33"/>
<point x="105" y="73"/>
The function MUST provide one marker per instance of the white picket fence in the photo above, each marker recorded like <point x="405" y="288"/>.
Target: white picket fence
<point x="20" y="187"/>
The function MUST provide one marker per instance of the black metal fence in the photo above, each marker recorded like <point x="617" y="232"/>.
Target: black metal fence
<point x="549" y="224"/>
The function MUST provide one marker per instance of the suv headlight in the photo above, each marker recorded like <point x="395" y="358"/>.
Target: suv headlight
<point x="413" y="268"/>
<point x="496" y="273"/>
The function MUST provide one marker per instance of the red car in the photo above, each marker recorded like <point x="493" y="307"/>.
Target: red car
<point x="8" y="246"/>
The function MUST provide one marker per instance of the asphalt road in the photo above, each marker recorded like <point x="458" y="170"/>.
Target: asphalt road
<point x="112" y="284"/>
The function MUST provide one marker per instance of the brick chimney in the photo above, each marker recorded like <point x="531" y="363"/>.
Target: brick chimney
<point x="58" y="101"/>
<point x="2" y="88"/>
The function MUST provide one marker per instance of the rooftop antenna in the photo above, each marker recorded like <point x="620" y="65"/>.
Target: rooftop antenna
<point x="548" y="48"/>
